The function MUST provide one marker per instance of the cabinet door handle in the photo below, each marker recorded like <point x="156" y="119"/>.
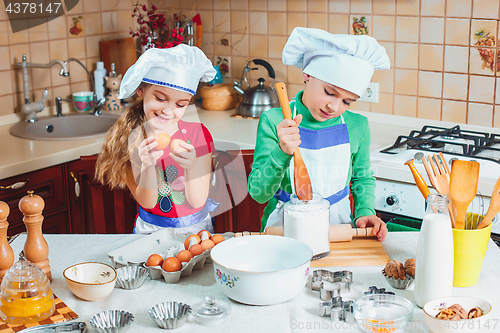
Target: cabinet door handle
<point x="15" y="186"/>
<point x="77" y="184"/>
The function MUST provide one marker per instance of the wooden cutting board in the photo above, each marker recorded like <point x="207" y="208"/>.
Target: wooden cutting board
<point x="367" y="251"/>
<point x="121" y="52"/>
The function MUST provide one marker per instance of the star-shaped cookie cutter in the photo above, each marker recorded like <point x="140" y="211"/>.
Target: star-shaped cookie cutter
<point x="337" y="310"/>
<point x="337" y="282"/>
<point x="374" y="290"/>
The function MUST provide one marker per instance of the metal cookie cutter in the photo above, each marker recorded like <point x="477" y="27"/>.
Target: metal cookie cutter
<point x="337" y="310"/>
<point x="375" y="290"/>
<point x="338" y="281"/>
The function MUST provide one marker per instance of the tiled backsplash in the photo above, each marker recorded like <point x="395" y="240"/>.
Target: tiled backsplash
<point x="436" y="72"/>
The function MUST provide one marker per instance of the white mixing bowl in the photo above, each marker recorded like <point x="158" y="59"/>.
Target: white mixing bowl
<point x="261" y="269"/>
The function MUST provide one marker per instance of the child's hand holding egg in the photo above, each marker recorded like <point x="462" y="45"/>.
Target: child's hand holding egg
<point x="183" y="153"/>
<point x="163" y="140"/>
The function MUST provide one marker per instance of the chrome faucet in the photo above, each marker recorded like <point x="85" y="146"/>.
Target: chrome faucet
<point x="30" y="109"/>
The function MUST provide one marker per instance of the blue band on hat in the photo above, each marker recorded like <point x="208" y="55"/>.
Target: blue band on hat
<point x="170" y="85"/>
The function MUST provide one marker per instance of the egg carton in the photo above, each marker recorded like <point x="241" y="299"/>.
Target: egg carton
<point x="167" y="243"/>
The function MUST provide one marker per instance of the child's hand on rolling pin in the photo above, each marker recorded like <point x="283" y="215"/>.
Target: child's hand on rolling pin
<point x="288" y="134"/>
<point x="379" y="227"/>
<point x="184" y="155"/>
<point x="147" y="152"/>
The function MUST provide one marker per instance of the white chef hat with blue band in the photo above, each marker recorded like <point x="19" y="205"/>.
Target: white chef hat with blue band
<point x="346" y="61"/>
<point x="181" y="67"/>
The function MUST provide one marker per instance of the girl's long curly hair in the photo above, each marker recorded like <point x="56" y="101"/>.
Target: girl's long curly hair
<point x="113" y="163"/>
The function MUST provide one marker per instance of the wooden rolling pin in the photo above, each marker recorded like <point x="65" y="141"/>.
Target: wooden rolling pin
<point x="338" y="232"/>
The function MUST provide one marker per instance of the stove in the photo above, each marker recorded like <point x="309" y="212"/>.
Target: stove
<point x="396" y="193"/>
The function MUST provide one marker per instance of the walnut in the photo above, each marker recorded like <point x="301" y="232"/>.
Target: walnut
<point x="474" y="313"/>
<point x="410" y="267"/>
<point x="459" y="310"/>
<point x="447" y="314"/>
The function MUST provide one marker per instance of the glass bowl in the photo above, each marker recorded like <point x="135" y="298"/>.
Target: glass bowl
<point x="383" y="313"/>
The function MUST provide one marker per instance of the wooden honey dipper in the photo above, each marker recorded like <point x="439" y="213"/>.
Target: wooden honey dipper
<point x="6" y="253"/>
<point x="36" y="248"/>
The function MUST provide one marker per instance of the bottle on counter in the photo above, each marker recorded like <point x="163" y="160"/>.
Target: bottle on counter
<point x="99" y="75"/>
<point x="435" y="257"/>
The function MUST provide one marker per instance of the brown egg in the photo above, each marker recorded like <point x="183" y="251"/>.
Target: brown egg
<point x="201" y="233"/>
<point x="163" y="140"/>
<point x="207" y="244"/>
<point x="196" y="250"/>
<point x="186" y="242"/>
<point x="217" y="239"/>
<point x="184" y="256"/>
<point x="175" y="144"/>
<point x="154" y="260"/>
<point x="171" y="264"/>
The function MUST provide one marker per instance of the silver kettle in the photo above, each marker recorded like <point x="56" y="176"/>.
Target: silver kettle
<point x="259" y="98"/>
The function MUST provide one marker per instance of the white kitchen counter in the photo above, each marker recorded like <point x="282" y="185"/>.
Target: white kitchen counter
<point x="297" y="315"/>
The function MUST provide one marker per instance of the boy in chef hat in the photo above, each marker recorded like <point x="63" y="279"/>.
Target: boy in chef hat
<point x="170" y="185"/>
<point x="334" y="142"/>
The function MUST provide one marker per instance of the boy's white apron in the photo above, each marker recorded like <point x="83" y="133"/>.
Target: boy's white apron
<point x="327" y="156"/>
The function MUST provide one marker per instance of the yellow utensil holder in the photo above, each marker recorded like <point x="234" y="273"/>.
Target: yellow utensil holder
<point x="469" y="247"/>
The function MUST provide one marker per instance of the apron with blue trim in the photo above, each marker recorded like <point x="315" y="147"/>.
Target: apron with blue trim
<point x="327" y="155"/>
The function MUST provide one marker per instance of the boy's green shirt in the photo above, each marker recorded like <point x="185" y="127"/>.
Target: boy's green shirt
<point x="270" y="164"/>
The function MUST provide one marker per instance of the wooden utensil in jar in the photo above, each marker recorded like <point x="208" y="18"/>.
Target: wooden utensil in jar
<point x="494" y="207"/>
<point x="301" y="179"/>
<point x="463" y="187"/>
<point x="337" y="233"/>
<point x="418" y="179"/>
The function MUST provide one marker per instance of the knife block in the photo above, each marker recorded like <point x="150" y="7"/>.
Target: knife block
<point x="6" y="253"/>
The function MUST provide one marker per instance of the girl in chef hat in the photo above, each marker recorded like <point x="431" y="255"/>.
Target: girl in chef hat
<point x="334" y="142"/>
<point x="170" y="184"/>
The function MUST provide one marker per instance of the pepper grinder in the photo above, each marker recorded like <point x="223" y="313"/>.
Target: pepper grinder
<point x="6" y="253"/>
<point x="36" y="248"/>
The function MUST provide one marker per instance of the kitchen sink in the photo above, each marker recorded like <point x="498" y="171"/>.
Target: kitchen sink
<point x="68" y="127"/>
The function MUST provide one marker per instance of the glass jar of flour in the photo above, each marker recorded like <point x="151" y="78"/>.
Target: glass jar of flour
<point x="309" y="222"/>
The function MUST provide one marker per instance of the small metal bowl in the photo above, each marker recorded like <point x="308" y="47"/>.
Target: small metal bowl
<point x="170" y="315"/>
<point x="398" y="283"/>
<point x="112" y="321"/>
<point x="131" y="277"/>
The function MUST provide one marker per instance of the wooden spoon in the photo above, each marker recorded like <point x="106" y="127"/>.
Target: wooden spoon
<point x="494" y="207"/>
<point x="301" y="179"/>
<point x="463" y="187"/>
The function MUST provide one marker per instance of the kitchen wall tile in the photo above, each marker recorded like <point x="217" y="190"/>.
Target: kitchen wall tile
<point x="431" y="57"/>
<point x="109" y="22"/>
<point x="456" y="59"/>
<point x="94" y="26"/>
<point x="222" y="21"/>
<point x="295" y="20"/>
<point x="207" y="19"/>
<point x="338" y="23"/>
<point x="125" y="21"/>
<point x="496" y="119"/>
<point x="258" y="46"/>
<point x="58" y="80"/>
<point x="91" y="6"/>
<point x="237" y="66"/>
<point x="338" y="6"/>
<point x="317" y="20"/>
<point x="294" y="75"/>
<point x="4" y="33"/>
<point x="279" y="69"/>
<point x="207" y="43"/>
<point x="112" y="5"/>
<point x="454" y="112"/>
<point x="38" y="33"/>
<point x="69" y="20"/>
<point x="239" y="22"/>
<point x="21" y="36"/>
<point x="457" y="31"/>
<point x="276" y="45"/>
<point x="240" y="44"/>
<point x="18" y="101"/>
<point x="384" y="27"/>
<point x="405" y="105"/>
<point x="361" y="6"/>
<point x="293" y="90"/>
<point x="405" y="81"/>
<point x="317" y="6"/>
<point x="432" y="30"/>
<point x="385" y="78"/>
<point x="3" y="12"/>
<point x="239" y="4"/>
<point x="58" y="50"/>
<point x="481" y="89"/>
<point x="480" y="114"/>
<point x="80" y="86"/>
<point x="57" y="28"/>
<point x="296" y="5"/>
<point x="221" y="5"/>
<point x="368" y="23"/>
<point x="7" y="103"/>
<point x="276" y="5"/>
<point x="430" y="84"/>
<point x="390" y="49"/>
<point x="63" y="91"/>
<point x="76" y="48"/>
<point x="257" y="4"/>
<point x="433" y="7"/>
<point x="5" y="83"/>
<point x="41" y="78"/>
<point x="77" y="73"/>
<point x="276" y="24"/>
<point x="476" y="63"/>
<point x="407" y="7"/>
<point x="459" y="8"/>
<point x="5" y="59"/>
<point x="220" y="48"/>
<point x="485" y="9"/>
<point x="92" y="45"/>
<point x="385" y="7"/>
<point x="407" y="29"/>
<point x="78" y="9"/>
<point x="384" y="105"/>
<point x="205" y="4"/>
<point x="360" y="106"/>
<point x="488" y="26"/>
<point x="497" y="92"/>
<point x="258" y="23"/>
<point x="455" y="86"/>
<point x="429" y="108"/>
<point x="406" y="55"/>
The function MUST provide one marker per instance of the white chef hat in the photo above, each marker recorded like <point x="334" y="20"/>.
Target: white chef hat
<point x="181" y="67"/>
<point x="346" y="61"/>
